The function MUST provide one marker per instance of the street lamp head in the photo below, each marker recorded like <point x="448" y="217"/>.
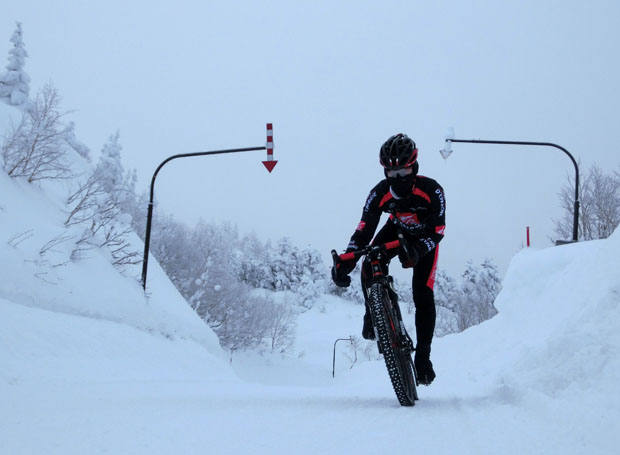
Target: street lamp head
<point x="447" y="150"/>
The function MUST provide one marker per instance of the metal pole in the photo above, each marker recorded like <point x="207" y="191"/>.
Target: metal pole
<point x="528" y="236"/>
<point x="149" y="216"/>
<point x="548" y="144"/>
<point x="334" y="357"/>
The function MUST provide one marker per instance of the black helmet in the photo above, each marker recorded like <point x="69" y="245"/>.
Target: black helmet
<point x="398" y="152"/>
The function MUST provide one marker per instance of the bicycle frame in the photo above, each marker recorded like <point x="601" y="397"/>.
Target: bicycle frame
<point x="376" y="254"/>
<point x="392" y="338"/>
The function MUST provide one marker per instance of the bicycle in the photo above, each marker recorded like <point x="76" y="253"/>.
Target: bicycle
<point x="392" y="338"/>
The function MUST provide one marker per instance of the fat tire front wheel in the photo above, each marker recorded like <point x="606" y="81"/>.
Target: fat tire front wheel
<point x="397" y="360"/>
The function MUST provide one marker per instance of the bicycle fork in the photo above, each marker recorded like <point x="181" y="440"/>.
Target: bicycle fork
<point x="403" y="340"/>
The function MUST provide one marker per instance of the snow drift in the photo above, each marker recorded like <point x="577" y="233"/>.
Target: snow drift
<point x="558" y="327"/>
<point x="53" y="286"/>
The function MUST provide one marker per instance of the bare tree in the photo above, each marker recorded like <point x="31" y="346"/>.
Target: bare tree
<point x="599" y="213"/>
<point x="99" y="211"/>
<point x="281" y="324"/>
<point x="83" y="200"/>
<point x="243" y="323"/>
<point x="36" y="149"/>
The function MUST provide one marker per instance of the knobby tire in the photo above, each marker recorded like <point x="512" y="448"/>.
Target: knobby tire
<point x="397" y="360"/>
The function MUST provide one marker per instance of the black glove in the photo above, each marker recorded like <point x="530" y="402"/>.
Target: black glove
<point x="340" y="272"/>
<point x="340" y="279"/>
<point x="407" y="254"/>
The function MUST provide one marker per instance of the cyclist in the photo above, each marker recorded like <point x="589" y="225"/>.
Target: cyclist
<point x="417" y="208"/>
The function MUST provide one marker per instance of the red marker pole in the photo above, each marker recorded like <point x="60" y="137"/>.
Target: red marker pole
<point x="528" y="236"/>
<point x="270" y="163"/>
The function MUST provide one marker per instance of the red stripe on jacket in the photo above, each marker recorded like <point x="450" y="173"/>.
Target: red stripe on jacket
<point x="418" y="192"/>
<point x="431" y="278"/>
<point x="386" y="198"/>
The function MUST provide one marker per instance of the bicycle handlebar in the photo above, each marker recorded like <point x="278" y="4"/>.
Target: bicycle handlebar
<point x="355" y="255"/>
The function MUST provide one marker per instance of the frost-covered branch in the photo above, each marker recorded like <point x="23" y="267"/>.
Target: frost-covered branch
<point x="57" y="240"/>
<point x="35" y="149"/>
<point x="16" y="239"/>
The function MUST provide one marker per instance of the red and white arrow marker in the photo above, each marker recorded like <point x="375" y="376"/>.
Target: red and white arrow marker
<point x="270" y="163"/>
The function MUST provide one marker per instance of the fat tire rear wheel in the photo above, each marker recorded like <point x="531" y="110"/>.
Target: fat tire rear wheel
<point x="397" y="360"/>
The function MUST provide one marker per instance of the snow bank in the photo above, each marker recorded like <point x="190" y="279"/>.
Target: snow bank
<point x="558" y="327"/>
<point x="46" y="347"/>
<point x="53" y="286"/>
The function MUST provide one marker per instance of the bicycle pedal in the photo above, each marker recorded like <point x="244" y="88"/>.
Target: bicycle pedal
<point x="407" y="343"/>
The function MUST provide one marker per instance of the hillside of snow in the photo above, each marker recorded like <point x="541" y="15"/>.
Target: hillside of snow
<point x="91" y="365"/>
<point x="41" y="282"/>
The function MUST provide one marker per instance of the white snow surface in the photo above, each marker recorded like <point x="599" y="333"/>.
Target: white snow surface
<point x="91" y="366"/>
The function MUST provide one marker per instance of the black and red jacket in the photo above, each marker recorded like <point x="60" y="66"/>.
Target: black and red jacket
<point x="420" y="216"/>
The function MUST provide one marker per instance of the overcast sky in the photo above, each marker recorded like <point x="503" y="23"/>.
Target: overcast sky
<point x="336" y="79"/>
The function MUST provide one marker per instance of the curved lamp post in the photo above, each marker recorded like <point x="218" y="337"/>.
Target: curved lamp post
<point x="445" y="153"/>
<point x="269" y="164"/>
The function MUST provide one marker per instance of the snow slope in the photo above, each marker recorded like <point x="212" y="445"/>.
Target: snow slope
<point x="88" y="365"/>
<point x="29" y="219"/>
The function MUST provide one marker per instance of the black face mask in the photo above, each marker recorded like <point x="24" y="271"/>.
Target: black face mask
<point x="402" y="186"/>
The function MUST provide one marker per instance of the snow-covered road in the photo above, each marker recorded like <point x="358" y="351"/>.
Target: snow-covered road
<point x="80" y="385"/>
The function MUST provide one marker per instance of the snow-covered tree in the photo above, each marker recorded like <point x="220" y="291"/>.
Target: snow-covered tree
<point x="35" y="149"/>
<point x="447" y="291"/>
<point x="312" y="276"/>
<point x="100" y="203"/>
<point x="253" y="263"/>
<point x="171" y="244"/>
<point x="218" y="274"/>
<point x="73" y="142"/>
<point x="292" y="269"/>
<point x="281" y="325"/>
<point x="137" y="207"/>
<point x="478" y="291"/>
<point x="109" y="165"/>
<point x="448" y="296"/>
<point x="241" y="319"/>
<point x="15" y="82"/>
<point x="599" y="213"/>
<point x="244" y="324"/>
<point x="283" y="264"/>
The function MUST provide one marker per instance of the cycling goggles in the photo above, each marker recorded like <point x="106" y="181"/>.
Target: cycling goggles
<point x="403" y="172"/>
